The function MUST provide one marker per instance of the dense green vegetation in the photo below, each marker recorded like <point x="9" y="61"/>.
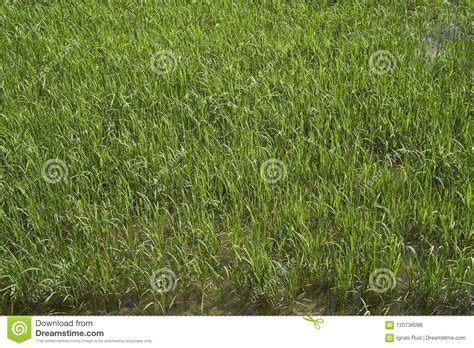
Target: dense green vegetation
<point x="274" y="157"/>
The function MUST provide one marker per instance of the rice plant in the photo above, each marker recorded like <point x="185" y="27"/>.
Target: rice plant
<point x="235" y="157"/>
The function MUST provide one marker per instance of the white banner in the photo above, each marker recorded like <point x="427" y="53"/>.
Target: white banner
<point x="258" y="331"/>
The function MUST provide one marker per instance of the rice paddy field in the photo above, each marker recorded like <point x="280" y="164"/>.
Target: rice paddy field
<point x="236" y="157"/>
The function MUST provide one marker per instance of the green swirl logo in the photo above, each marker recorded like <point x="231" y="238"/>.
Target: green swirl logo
<point x="19" y="328"/>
